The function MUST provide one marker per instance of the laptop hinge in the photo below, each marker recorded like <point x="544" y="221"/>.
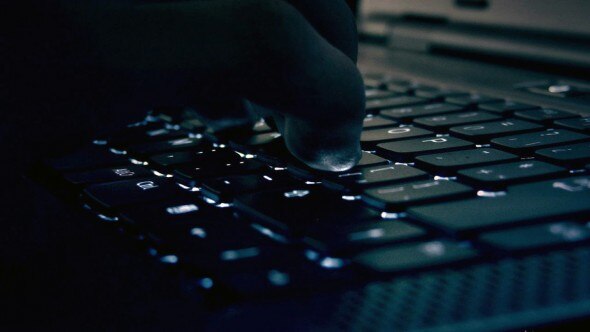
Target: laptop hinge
<point x="491" y="42"/>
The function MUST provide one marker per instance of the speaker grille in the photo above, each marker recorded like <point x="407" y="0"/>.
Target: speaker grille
<point x="504" y="294"/>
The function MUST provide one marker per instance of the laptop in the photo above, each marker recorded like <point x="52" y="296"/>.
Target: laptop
<point x="469" y="210"/>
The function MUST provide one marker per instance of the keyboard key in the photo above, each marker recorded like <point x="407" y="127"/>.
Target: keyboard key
<point x="193" y="174"/>
<point x="165" y="162"/>
<point x="407" y="113"/>
<point x="485" y="131"/>
<point x="415" y="256"/>
<point x="107" y="175"/>
<point x="116" y="194"/>
<point x="524" y="142"/>
<point x="372" y="122"/>
<point x="284" y="275"/>
<point x="544" y="115"/>
<point x="379" y="104"/>
<point x="87" y="158"/>
<point x="472" y="100"/>
<point x="144" y="151"/>
<point x="174" y="218"/>
<point x="498" y="176"/>
<point x="370" y="159"/>
<point x="537" y="236"/>
<point x="524" y="203"/>
<point x="406" y="149"/>
<point x="437" y="94"/>
<point x="373" y="83"/>
<point x="193" y="125"/>
<point x="227" y="188"/>
<point x="398" y="197"/>
<point x="257" y="140"/>
<point x="451" y="161"/>
<point x="343" y="240"/>
<point x="371" y="94"/>
<point x="203" y="236"/>
<point x="444" y="121"/>
<point x="575" y="155"/>
<point x="402" y="87"/>
<point x="372" y="176"/>
<point x="579" y="124"/>
<point x="293" y="210"/>
<point x="144" y="134"/>
<point x="374" y="136"/>
<point x="505" y="107"/>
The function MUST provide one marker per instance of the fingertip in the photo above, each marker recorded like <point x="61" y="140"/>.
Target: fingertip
<point x="324" y="149"/>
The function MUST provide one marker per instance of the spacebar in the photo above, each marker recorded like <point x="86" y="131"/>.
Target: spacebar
<point x="522" y="203"/>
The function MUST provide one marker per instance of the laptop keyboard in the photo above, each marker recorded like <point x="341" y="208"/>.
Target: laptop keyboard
<point x="446" y="178"/>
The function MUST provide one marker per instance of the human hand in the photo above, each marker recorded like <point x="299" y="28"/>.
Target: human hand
<point x="293" y="60"/>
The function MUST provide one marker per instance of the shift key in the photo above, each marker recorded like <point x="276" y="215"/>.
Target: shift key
<point x="522" y="204"/>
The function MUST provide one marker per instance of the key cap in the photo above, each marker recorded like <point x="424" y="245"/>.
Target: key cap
<point x="203" y="236"/>
<point x="280" y="276"/>
<point x="407" y="113"/>
<point x="87" y="158"/>
<point x="578" y="124"/>
<point x="372" y="122"/>
<point x="164" y="163"/>
<point x="371" y="137"/>
<point x="443" y="163"/>
<point x="175" y="115"/>
<point x="371" y="94"/>
<point x="107" y="175"/>
<point x="112" y="195"/>
<point x="415" y="256"/>
<point x="370" y="159"/>
<point x="525" y="142"/>
<point x="168" y="114"/>
<point x="346" y="239"/>
<point x="437" y="94"/>
<point x="537" y="236"/>
<point x="291" y="211"/>
<point x="193" y="125"/>
<point x="524" y="203"/>
<point x="575" y="155"/>
<point x="174" y="217"/>
<point x="402" y="87"/>
<point x="398" y="197"/>
<point x="372" y="176"/>
<point x="227" y="249"/>
<point x="144" y="151"/>
<point x="227" y="188"/>
<point x="444" y="121"/>
<point x="472" y="100"/>
<point x="545" y="115"/>
<point x="379" y="104"/>
<point x="193" y="174"/>
<point x="144" y="134"/>
<point x="483" y="132"/>
<point x="406" y="149"/>
<point x="258" y="140"/>
<point x="498" y="176"/>
<point x="373" y="83"/>
<point x="505" y="107"/>
<point x="167" y="162"/>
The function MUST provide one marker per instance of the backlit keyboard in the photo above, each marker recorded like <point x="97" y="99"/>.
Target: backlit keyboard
<point x="446" y="178"/>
